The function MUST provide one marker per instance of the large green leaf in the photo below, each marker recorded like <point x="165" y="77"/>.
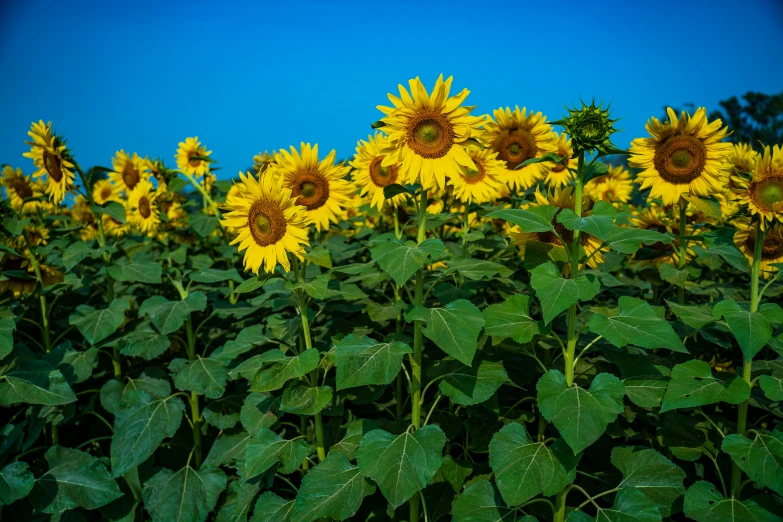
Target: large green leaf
<point x="267" y="449"/>
<point x="183" y="496"/>
<point x="169" y="316"/>
<point x="598" y="223"/>
<point x="334" y="488"/>
<point x="753" y="330"/>
<point x="534" y="219"/>
<point x="227" y="448"/>
<point x="361" y="361"/>
<point x="239" y="501"/>
<point x="761" y="458"/>
<point x="636" y="324"/>
<point x="468" y="385"/>
<point x="581" y="415"/>
<point x="354" y="432"/>
<point x="216" y="275"/>
<point x="556" y="293"/>
<point x="453" y="328"/>
<point x="651" y="473"/>
<point x="401" y="465"/>
<point x="75" y="479"/>
<point x="271" y="508"/>
<point x="16" y="481"/>
<point x="144" y="342"/>
<point x="476" y="269"/>
<point x="703" y="503"/>
<point x="7" y="327"/>
<point x="630" y="505"/>
<point x="31" y="381"/>
<point x="481" y="502"/>
<point x="511" y="318"/>
<point x="204" y="376"/>
<point x="258" y="412"/>
<point x="97" y="325"/>
<point x="77" y="252"/>
<point x="694" y="316"/>
<point x="629" y="240"/>
<point x="244" y="342"/>
<point x="305" y="400"/>
<point x="274" y="375"/>
<point x="692" y="384"/>
<point x="142" y="272"/>
<point x="76" y="366"/>
<point x="402" y="260"/>
<point x="116" y="395"/>
<point x="523" y="468"/>
<point x="772" y="387"/>
<point x="139" y="430"/>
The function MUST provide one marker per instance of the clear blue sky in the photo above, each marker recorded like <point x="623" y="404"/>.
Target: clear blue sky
<point x="249" y="76"/>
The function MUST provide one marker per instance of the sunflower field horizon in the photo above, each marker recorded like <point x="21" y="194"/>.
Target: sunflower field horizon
<point x="483" y="314"/>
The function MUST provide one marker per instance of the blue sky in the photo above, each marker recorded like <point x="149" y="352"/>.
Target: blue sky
<point x="250" y="76"/>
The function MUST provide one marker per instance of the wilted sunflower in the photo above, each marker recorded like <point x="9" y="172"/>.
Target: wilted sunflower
<point x="269" y="221"/>
<point x="20" y="187"/>
<point x="143" y="208"/>
<point x="49" y="154"/>
<point x="482" y="184"/>
<point x="427" y="133"/>
<point x="370" y="175"/>
<point x="318" y="186"/>
<point x="518" y="136"/>
<point x="656" y="218"/>
<point x="262" y="161"/>
<point x="771" y="250"/>
<point x="104" y="191"/>
<point x="188" y="155"/>
<point x="742" y="157"/>
<point x="616" y="186"/>
<point x="763" y="192"/>
<point x="25" y="284"/>
<point x="683" y="155"/>
<point x="128" y="171"/>
<point x="557" y="174"/>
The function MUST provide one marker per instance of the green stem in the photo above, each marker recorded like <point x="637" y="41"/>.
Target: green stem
<point x="560" y="505"/>
<point x="575" y="254"/>
<point x="195" y="414"/>
<point x="465" y="230"/>
<point x="319" y="425"/>
<point x="399" y="389"/>
<point x="207" y="199"/>
<point x="742" y="414"/>
<point x="41" y="296"/>
<point x="683" y="246"/>
<point x="397" y="231"/>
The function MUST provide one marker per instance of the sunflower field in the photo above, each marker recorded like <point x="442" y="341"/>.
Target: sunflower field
<point x="476" y="318"/>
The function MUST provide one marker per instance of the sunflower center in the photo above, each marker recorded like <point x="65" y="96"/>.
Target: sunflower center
<point x="680" y="159"/>
<point x="474" y="176"/>
<point x="380" y="175"/>
<point x="311" y="190"/>
<point x="768" y="192"/>
<point x="430" y="134"/>
<point x="193" y="160"/>
<point x="515" y="147"/>
<point x="22" y="189"/>
<point x="130" y="176"/>
<point x="560" y="167"/>
<point x="772" y="247"/>
<point x="609" y="195"/>
<point x="53" y="165"/>
<point x="106" y="192"/>
<point x="267" y="222"/>
<point x="144" y="207"/>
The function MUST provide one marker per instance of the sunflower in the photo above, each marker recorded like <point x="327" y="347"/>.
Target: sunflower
<point x="742" y="157"/>
<point x="81" y="211"/>
<point x="128" y="171"/>
<point x="683" y="155"/>
<point x="480" y="185"/>
<point x="517" y="137"/>
<point x="113" y="228"/>
<point x="319" y="187"/>
<point x="370" y="175"/>
<point x="558" y="175"/>
<point x="270" y="222"/>
<point x="104" y="191"/>
<point x="143" y="208"/>
<point x="192" y="148"/>
<point x="25" y="282"/>
<point x="656" y="218"/>
<point x="262" y="161"/>
<point x="157" y="171"/>
<point x="616" y="186"/>
<point x="49" y="154"/>
<point x="38" y="235"/>
<point x="20" y="187"/>
<point x="763" y="192"/>
<point x="427" y="133"/>
<point x="771" y="250"/>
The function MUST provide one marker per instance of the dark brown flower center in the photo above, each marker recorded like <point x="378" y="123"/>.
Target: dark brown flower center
<point x="193" y="160"/>
<point x="130" y="176"/>
<point x="53" y="165"/>
<point x="773" y="245"/>
<point x="380" y="175"/>
<point x="561" y="167"/>
<point x="473" y="176"/>
<point x="144" y="207"/>
<point x="267" y="222"/>
<point x="106" y="192"/>
<point x="430" y="134"/>
<point x="680" y="159"/>
<point x="311" y="190"/>
<point x="767" y="193"/>
<point x="515" y="147"/>
<point x="22" y="188"/>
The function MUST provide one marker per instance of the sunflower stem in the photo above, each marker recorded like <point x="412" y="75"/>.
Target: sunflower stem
<point x="742" y="411"/>
<point x="195" y="414"/>
<point x="465" y="230"/>
<point x="573" y="336"/>
<point x="207" y="199"/>
<point x="41" y="296"/>
<point x="397" y="231"/>
<point x="683" y="246"/>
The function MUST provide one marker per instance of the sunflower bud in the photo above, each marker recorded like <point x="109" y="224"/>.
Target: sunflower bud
<point x="590" y="128"/>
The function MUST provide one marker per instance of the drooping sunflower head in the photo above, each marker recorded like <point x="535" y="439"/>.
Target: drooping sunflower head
<point x="104" y="191"/>
<point x="81" y="211"/>
<point x="370" y="175"/>
<point x="482" y="184"/>
<point x="762" y="194"/>
<point x="742" y="157"/>
<point x="192" y="157"/>
<point x="658" y="219"/>
<point x="319" y="186"/>
<point x="771" y="249"/>
<point x="427" y="133"/>
<point x="128" y="171"/>
<point x="26" y="281"/>
<point x="557" y="174"/>
<point x="269" y="221"/>
<point x="590" y="128"/>
<point x="143" y="208"/>
<point x="19" y="188"/>
<point x="49" y="155"/>
<point x="682" y="155"/>
<point x="616" y="186"/>
<point x="518" y="136"/>
<point x="262" y="161"/>
<point x="158" y="171"/>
